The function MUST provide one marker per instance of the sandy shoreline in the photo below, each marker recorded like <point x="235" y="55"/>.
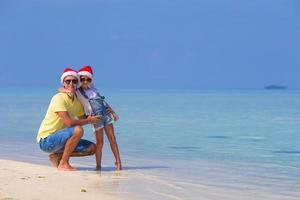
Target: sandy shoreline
<point x="21" y="180"/>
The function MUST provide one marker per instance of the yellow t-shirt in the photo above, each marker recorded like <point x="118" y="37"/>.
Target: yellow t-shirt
<point x="52" y="122"/>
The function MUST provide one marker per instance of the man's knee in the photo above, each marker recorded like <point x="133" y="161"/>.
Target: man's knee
<point x="78" y="131"/>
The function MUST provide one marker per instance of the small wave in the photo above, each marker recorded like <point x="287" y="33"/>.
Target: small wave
<point x="254" y="138"/>
<point x="218" y="137"/>
<point x="287" y="152"/>
<point x="166" y="195"/>
<point x="183" y="147"/>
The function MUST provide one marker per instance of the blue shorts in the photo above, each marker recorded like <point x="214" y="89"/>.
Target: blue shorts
<point x="105" y="120"/>
<point x="55" y="143"/>
<point x="99" y="108"/>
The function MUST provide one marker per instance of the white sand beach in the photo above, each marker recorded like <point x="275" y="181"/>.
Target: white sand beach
<point x="24" y="181"/>
<point x="28" y="181"/>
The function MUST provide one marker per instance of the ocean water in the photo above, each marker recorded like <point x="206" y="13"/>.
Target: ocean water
<point x="181" y="144"/>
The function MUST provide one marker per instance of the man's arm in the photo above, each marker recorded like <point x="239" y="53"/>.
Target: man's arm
<point x="68" y="121"/>
<point x="82" y="117"/>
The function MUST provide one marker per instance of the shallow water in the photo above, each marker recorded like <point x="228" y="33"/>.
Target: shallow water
<point x="181" y="143"/>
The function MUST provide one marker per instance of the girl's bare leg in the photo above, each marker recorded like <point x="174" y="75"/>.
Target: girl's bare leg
<point x="110" y="133"/>
<point x="99" y="146"/>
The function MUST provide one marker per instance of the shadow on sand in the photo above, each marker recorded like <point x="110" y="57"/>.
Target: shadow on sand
<point x="126" y="168"/>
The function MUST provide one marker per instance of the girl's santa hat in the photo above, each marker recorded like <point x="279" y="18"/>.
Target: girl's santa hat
<point x="86" y="71"/>
<point x="68" y="72"/>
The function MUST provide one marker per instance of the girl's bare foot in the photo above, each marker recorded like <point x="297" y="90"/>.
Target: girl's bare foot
<point x="118" y="165"/>
<point x="54" y="159"/>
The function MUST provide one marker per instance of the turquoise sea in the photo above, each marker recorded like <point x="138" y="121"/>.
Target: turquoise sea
<point x="244" y="140"/>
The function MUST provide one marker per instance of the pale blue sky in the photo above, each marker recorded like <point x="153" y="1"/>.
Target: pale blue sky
<point x="136" y="44"/>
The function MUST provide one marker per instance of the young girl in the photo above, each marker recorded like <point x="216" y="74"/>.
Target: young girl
<point x="94" y="104"/>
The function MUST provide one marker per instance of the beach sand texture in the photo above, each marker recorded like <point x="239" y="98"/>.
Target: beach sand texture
<point x="30" y="181"/>
<point x="27" y="181"/>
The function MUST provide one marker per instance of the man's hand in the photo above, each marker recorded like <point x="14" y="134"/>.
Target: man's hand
<point x="94" y="119"/>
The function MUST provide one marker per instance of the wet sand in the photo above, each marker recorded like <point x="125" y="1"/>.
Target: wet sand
<point x="20" y="180"/>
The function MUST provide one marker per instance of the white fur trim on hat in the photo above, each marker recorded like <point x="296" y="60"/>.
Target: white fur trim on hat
<point x="85" y="73"/>
<point x="68" y="73"/>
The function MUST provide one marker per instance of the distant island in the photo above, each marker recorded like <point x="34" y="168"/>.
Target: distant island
<point x="275" y="87"/>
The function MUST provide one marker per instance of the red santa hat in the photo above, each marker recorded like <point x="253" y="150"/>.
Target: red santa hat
<point x="68" y="72"/>
<point x="86" y="71"/>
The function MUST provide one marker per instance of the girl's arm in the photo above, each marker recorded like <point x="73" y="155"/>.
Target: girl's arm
<point x="111" y="111"/>
<point x="63" y="90"/>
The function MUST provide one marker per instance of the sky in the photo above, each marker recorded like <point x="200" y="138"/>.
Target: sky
<point x="152" y="44"/>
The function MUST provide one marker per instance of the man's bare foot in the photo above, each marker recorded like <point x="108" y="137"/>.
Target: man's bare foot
<point x="65" y="167"/>
<point x="54" y="159"/>
<point x="98" y="167"/>
<point x="118" y="166"/>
